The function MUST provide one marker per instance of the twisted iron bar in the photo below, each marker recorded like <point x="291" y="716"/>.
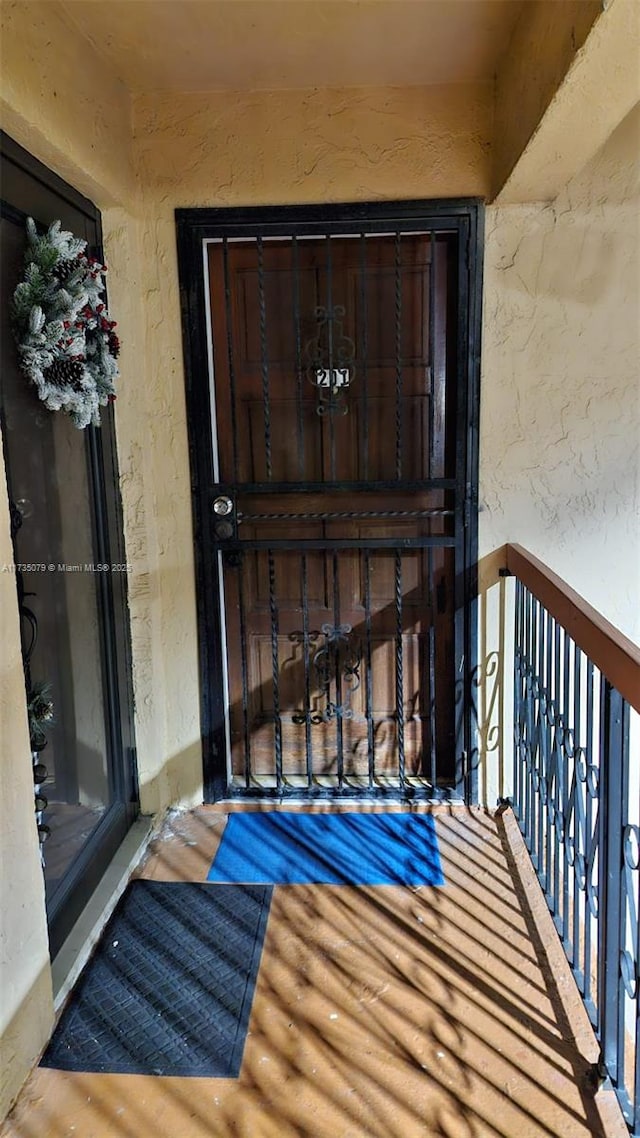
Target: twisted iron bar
<point x="275" y="669"/>
<point x="338" y="515"/>
<point x="263" y="352"/>
<point x="398" y="359"/>
<point x="399" y="669"/>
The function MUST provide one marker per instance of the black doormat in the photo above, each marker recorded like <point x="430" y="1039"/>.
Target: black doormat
<point x="170" y="987"/>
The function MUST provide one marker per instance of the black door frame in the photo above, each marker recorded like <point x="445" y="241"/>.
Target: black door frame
<point x="30" y="189"/>
<point x="194" y="227"/>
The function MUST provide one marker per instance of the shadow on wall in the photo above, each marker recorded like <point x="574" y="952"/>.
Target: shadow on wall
<point x="178" y="781"/>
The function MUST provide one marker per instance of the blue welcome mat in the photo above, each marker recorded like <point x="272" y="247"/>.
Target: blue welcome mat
<point x="282" y="848"/>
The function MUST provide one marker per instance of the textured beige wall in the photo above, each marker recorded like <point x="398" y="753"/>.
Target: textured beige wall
<point x="26" y="1005"/>
<point x="57" y="97"/>
<point x="59" y="101"/>
<point x="541" y="50"/>
<point x="156" y="498"/>
<point x="599" y="89"/>
<point x="560" y="425"/>
<point x="239" y="148"/>
<point x="560" y="406"/>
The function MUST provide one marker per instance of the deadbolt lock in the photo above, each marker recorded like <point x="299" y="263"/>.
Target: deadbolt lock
<point x="223" y="506"/>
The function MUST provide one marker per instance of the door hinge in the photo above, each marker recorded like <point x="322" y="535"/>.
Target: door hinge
<point x="470" y="504"/>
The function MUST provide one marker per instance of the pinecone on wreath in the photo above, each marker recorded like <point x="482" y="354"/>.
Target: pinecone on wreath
<point x="65" y="372"/>
<point x="63" y="269"/>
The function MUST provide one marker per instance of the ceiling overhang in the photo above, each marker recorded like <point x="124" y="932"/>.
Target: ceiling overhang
<point x="594" y="89"/>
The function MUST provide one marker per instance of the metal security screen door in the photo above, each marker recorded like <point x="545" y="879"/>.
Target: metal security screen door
<point x="333" y="504"/>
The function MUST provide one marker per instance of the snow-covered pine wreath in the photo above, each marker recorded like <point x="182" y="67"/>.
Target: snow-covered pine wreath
<point x="66" y="342"/>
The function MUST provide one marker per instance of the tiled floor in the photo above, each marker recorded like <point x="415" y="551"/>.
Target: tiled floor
<point x="381" y="1012"/>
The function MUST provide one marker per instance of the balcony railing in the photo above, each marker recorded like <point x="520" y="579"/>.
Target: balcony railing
<point x="576" y="794"/>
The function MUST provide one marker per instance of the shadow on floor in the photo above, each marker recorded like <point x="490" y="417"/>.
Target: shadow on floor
<point x="379" y="1012"/>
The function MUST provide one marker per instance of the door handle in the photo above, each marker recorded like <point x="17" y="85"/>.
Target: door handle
<point x="224" y="523"/>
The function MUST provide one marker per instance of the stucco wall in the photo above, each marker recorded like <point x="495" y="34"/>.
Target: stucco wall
<point x="560" y="424"/>
<point x="59" y="101"/>
<point x="58" y="97"/>
<point x="26" y="1006"/>
<point x="243" y="148"/>
<point x="560" y="405"/>
<point x="599" y="89"/>
<point x="542" y="47"/>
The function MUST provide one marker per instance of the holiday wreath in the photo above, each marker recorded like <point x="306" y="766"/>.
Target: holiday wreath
<point x="66" y="342"/>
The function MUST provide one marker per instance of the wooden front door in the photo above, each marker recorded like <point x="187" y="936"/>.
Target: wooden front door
<point x="331" y="503"/>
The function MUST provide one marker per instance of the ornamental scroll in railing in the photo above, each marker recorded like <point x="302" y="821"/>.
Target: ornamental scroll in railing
<point x="577" y="799"/>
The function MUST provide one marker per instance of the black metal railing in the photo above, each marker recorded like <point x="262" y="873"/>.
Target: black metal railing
<point x="576" y="795"/>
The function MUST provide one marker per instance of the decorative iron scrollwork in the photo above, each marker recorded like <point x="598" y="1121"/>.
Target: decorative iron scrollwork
<point x="336" y="662"/>
<point x="312" y="638"/>
<point x="330" y="355"/>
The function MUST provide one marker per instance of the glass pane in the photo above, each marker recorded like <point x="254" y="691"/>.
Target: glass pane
<point x="48" y="477"/>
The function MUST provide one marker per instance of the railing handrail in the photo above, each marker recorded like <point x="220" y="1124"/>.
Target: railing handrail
<point x="617" y="657"/>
